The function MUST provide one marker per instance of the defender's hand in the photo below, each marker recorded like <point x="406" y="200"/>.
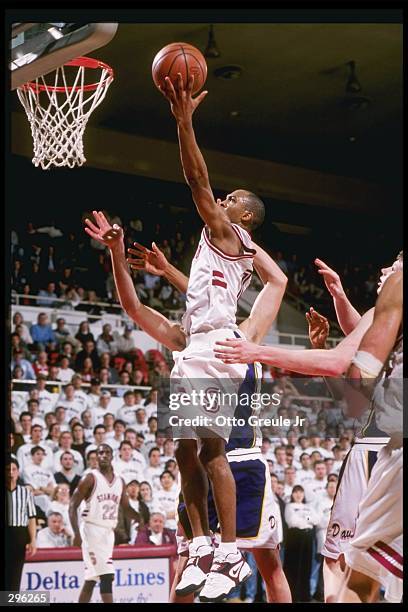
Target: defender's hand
<point x="153" y="261"/>
<point x="331" y="278"/>
<point x="318" y="329"/>
<point x="236" y="351"/>
<point x="103" y="231"/>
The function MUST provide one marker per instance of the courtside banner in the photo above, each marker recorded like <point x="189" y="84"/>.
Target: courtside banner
<point x="142" y="575"/>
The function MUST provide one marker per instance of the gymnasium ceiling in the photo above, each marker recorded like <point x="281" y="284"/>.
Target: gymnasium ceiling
<point x="288" y="99"/>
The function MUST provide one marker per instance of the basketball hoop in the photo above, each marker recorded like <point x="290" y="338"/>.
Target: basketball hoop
<point x="58" y="113"/>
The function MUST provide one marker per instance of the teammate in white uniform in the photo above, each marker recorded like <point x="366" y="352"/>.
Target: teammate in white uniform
<point x="375" y="553"/>
<point x="100" y="492"/>
<point x="264" y="311"/>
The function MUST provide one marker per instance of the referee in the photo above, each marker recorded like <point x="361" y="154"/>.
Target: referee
<point x="21" y="526"/>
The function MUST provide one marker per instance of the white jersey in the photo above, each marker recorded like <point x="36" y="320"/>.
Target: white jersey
<point x="387" y="397"/>
<point x="102" y="506"/>
<point x="216" y="283"/>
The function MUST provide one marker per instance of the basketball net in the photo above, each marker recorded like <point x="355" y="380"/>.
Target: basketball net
<point x="58" y="113"/>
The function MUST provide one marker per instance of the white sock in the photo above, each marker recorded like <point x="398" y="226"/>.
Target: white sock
<point x="200" y="541"/>
<point x="228" y="548"/>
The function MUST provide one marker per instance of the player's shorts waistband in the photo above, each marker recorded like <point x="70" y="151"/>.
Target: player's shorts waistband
<point x="370" y="443"/>
<point x="244" y="454"/>
<point x="210" y="337"/>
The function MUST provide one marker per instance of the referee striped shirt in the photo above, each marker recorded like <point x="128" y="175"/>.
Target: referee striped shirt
<point x="20" y="506"/>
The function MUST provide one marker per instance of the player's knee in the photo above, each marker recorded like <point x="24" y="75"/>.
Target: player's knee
<point x="89" y="585"/>
<point x="106" y="583"/>
<point x="360" y="584"/>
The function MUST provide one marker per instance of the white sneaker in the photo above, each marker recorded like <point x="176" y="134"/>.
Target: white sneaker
<point x="196" y="571"/>
<point x="227" y="572"/>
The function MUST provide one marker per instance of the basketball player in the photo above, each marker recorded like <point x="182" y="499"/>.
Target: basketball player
<point x="375" y="553"/>
<point x="101" y="493"/>
<point x="256" y="510"/>
<point x="360" y="460"/>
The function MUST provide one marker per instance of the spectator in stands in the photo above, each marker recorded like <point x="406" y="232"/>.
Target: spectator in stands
<point x="155" y="533"/>
<point x="168" y="450"/>
<point x="127" y="412"/>
<point x="18" y="277"/>
<point x="48" y="297"/>
<point x="40" y="478"/>
<point x="117" y="437"/>
<point x="42" y="334"/>
<point x="87" y="372"/>
<point x="79" y="395"/>
<point x="124" y="379"/>
<point x="79" y="443"/>
<point x="108" y="421"/>
<point x="103" y="376"/>
<point x="89" y="350"/>
<point x="113" y="373"/>
<point x="17" y="344"/>
<point x="84" y="334"/>
<point x="24" y="331"/>
<point x="106" y="343"/>
<point x="125" y="343"/>
<point x="99" y="434"/>
<point x="26" y="367"/>
<point x="317" y="486"/>
<point x="24" y="456"/>
<point x="139" y="378"/>
<point x="305" y="474"/>
<point x="280" y="462"/>
<point x="155" y="469"/>
<point x="167" y="497"/>
<point x="25" y="426"/>
<point x="141" y="425"/>
<point x="40" y="365"/>
<point x="33" y="407"/>
<point x="150" y="436"/>
<point x="125" y="466"/>
<point x="290" y="481"/>
<point x="65" y="444"/>
<point x="105" y="406"/>
<point x="146" y="495"/>
<point x="339" y="456"/>
<point x="301" y="519"/>
<point x="150" y="404"/>
<point x="72" y="405"/>
<point x="61" y="418"/>
<point x="55" y="535"/>
<point x="65" y="373"/>
<point x="67" y="474"/>
<point x="91" y="461"/>
<point x="17" y="373"/>
<point x="63" y="334"/>
<point x="86" y="418"/>
<point x="60" y="503"/>
<point x="126" y="530"/>
<point x="53" y="437"/>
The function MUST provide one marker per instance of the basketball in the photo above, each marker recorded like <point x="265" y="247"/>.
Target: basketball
<point x="179" y="57"/>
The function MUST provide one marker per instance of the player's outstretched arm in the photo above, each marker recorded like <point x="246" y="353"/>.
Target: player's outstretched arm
<point x="195" y="170"/>
<point x="152" y="322"/>
<point x="380" y="338"/>
<point x="155" y="262"/>
<point x="83" y="491"/>
<point x="347" y="316"/>
<point x="267" y="303"/>
<point x="318" y="362"/>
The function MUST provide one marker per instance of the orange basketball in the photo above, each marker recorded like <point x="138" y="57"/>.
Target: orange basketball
<point x="179" y="57"/>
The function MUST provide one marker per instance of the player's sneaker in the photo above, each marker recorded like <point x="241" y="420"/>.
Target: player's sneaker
<point x="196" y="571"/>
<point x="227" y="572"/>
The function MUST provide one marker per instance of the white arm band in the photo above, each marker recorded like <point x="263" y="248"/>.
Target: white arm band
<point x="369" y="366"/>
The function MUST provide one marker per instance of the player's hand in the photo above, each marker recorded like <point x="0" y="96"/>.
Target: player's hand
<point x="31" y="548"/>
<point x="236" y="351"/>
<point x="331" y="278"/>
<point x="318" y="329"/>
<point x="77" y="541"/>
<point x="182" y="104"/>
<point x="102" y="231"/>
<point x="153" y="261"/>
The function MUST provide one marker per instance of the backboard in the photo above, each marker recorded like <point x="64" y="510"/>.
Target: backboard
<point x="39" y="48"/>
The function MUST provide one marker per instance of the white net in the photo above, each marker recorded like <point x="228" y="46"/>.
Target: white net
<point x="58" y="115"/>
